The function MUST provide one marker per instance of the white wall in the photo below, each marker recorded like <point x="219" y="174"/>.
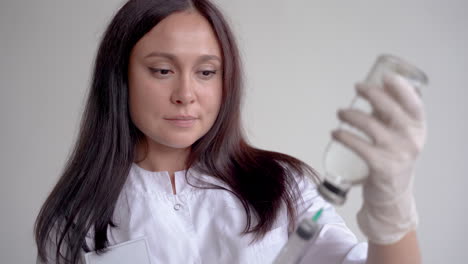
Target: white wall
<point x="301" y="61"/>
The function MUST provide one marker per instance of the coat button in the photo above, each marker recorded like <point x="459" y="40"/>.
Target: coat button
<point x="177" y="207"/>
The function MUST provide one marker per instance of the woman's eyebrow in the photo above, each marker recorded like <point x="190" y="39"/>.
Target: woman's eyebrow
<point x="173" y="57"/>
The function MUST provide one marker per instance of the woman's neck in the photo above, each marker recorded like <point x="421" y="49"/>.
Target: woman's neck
<point x="157" y="157"/>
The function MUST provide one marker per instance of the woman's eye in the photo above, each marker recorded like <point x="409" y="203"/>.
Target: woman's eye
<point x="207" y="73"/>
<point x="166" y="72"/>
<point x="163" y="72"/>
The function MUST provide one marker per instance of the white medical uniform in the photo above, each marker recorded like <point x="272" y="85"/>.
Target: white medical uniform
<point x="197" y="226"/>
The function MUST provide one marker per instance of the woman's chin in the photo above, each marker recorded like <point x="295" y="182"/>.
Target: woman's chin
<point x="182" y="143"/>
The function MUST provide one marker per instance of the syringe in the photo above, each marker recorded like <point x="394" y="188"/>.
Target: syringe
<point x="294" y="250"/>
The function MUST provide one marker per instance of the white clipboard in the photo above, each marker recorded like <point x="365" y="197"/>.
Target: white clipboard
<point x="129" y="252"/>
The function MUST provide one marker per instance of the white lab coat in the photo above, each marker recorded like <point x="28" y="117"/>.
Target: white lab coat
<point x="203" y="225"/>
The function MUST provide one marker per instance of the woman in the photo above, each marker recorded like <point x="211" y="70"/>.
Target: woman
<point x="161" y="155"/>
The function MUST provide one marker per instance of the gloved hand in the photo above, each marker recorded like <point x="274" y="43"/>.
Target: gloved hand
<point x="397" y="128"/>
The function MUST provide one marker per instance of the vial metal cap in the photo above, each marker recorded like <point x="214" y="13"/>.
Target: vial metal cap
<point x="331" y="193"/>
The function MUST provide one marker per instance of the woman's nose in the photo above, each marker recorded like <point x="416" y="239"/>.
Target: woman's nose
<point x="183" y="92"/>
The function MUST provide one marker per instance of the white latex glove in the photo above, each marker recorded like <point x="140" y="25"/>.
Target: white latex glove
<point x="397" y="129"/>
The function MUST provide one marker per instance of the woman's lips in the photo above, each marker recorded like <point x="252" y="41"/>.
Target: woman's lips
<point x="184" y="122"/>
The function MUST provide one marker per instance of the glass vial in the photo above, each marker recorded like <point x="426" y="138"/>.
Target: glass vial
<point x="343" y="167"/>
<point x="296" y="247"/>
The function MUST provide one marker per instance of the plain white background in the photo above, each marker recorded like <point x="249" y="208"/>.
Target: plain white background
<point x="301" y="60"/>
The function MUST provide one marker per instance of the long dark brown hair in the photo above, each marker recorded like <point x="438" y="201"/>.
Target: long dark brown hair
<point x="85" y="196"/>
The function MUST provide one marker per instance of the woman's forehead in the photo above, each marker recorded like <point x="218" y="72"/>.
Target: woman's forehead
<point x="181" y="33"/>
